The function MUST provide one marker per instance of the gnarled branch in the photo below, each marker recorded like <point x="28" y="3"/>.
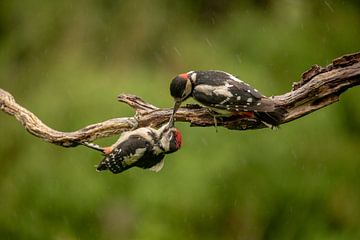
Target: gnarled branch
<point x="318" y="87"/>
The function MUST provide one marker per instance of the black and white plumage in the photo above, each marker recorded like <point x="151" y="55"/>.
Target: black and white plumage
<point x="144" y="148"/>
<point x="225" y="94"/>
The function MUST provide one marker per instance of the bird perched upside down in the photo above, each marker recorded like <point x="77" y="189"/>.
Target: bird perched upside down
<point x="144" y="148"/>
<point x="225" y="94"/>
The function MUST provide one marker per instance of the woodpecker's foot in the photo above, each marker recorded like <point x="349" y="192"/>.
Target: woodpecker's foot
<point x="134" y="123"/>
<point x="215" y="124"/>
<point x="214" y="115"/>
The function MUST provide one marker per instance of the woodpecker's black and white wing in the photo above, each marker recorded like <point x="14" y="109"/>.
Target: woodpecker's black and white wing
<point x="134" y="150"/>
<point x="125" y="154"/>
<point x="223" y="91"/>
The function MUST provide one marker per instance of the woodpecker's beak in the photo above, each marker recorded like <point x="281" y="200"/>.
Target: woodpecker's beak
<point x="176" y="107"/>
<point x="172" y="118"/>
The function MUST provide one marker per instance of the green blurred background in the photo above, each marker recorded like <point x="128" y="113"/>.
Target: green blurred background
<point x="68" y="60"/>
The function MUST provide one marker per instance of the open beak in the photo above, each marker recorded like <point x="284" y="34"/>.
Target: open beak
<point x="172" y="118"/>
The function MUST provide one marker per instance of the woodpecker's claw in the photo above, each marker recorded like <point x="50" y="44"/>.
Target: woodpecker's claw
<point x="134" y="123"/>
<point x="214" y="115"/>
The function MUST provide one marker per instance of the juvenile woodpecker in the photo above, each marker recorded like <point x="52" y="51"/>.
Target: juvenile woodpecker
<point x="224" y="94"/>
<point x="144" y="148"/>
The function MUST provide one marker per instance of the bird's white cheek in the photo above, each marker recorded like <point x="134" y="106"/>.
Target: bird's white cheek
<point x="188" y="88"/>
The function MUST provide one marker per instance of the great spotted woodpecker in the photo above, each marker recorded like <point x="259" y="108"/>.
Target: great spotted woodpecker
<point x="144" y="148"/>
<point x="225" y="94"/>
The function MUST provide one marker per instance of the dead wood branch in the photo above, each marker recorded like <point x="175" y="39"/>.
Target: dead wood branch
<point x="318" y="87"/>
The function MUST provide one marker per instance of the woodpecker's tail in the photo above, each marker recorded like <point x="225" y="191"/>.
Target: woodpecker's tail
<point x="110" y="163"/>
<point x="271" y="119"/>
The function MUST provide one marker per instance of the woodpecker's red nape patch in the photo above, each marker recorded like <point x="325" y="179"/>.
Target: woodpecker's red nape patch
<point x="178" y="138"/>
<point x="184" y="76"/>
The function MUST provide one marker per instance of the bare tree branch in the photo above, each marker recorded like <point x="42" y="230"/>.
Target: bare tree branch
<point x="318" y="87"/>
<point x="66" y="139"/>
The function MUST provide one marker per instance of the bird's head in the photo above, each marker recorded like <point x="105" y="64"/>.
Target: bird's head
<point x="175" y="140"/>
<point x="170" y="138"/>
<point x="181" y="88"/>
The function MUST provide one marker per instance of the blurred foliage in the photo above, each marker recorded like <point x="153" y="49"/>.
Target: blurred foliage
<point x="68" y="60"/>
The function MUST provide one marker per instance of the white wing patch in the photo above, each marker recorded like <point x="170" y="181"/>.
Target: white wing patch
<point x="206" y="89"/>
<point x="217" y="90"/>
<point x="223" y="91"/>
<point x="128" y="160"/>
<point x="157" y="167"/>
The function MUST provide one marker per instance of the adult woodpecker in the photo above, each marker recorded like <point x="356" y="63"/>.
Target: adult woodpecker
<point x="144" y="147"/>
<point x="224" y="94"/>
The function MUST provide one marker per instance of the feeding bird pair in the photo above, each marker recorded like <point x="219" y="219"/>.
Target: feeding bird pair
<point x="221" y="92"/>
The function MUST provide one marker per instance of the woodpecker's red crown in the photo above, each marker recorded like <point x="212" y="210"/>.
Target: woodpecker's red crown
<point x="184" y="76"/>
<point x="175" y="141"/>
